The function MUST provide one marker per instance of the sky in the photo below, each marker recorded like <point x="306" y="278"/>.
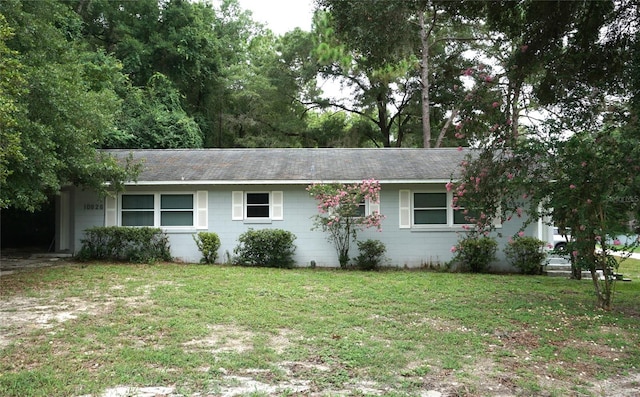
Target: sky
<point x="281" y="16"/>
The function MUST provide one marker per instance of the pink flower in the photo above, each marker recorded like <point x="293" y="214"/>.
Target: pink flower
<point x="572" y="186"/>
<point x="549" y="245"/>
<point x="509" y="176"/>
<point x="459" y="148"/>
<point x="521" y="233"/>
<point x="575" y="254"/>
<point x="584" y="164"/>
<point x="468" y="72"/>
<point x="459" y="126"/>
<point x="617" y="242"/>
<point x="449" y="186"/>
<point x="454" y="249"/>
<point x="598" y="238"/>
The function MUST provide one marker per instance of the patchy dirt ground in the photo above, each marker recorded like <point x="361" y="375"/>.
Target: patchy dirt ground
<point x="21" y="315"/>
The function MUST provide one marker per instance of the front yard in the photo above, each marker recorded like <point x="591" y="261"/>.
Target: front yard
<point x="194" y="330"/>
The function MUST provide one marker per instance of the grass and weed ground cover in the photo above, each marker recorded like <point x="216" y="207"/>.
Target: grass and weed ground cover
<point x="216" y="330"/>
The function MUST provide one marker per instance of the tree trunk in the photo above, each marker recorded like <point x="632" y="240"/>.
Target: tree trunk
<point x="424" y="77"/>
<point x="444" y="129"/>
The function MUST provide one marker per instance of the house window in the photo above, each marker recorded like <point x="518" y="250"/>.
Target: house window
<point x="430" y="208"/>
<point x="257" y="205"/>
<point x="361" y="211"/>
<point x="176" y="210"/>
<point x="138" y="210"/>
<point x="460" y="218"/>
<point x="167" y="210"/>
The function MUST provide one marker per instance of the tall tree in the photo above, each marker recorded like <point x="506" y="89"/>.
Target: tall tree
<point x="12" y="86"/>
<point x="64" y="114"/>
<point x="581" y="165"/>
<point x="429" y="37"/>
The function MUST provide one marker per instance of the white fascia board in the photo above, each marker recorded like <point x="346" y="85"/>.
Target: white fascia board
<point x="281" y="182"/>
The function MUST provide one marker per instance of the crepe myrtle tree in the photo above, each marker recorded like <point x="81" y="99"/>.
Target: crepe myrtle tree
<point x="585" y="182"/>
<point x="339" y="212"/>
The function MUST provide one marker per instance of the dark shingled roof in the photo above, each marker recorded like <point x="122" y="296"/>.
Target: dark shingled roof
<point x="254" y="166"/>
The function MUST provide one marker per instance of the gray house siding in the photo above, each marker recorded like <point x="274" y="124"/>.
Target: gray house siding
<point x="406" y="247"/>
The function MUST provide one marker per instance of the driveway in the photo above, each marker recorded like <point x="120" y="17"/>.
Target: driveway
<point x="12" y="261"/>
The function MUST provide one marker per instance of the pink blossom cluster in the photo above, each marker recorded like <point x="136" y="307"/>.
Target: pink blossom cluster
<point x="336" y="203"/>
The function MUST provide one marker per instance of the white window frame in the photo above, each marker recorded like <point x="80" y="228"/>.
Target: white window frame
<point x="407" y="211"/>
<point x="447" y="209"/>
<point x="198" y="211"/>
<point x="239" y="205"/>
<point x="247" y="205"/>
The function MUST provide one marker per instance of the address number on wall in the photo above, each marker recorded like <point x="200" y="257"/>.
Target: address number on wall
<point x="93" y="207"/>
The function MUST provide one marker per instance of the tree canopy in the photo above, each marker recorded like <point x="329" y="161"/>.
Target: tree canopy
<point x="81" y="75"/>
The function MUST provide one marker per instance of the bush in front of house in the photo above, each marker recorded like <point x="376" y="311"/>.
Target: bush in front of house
<point x="130" y="244"/>
<point x="208" y="243"/>
<point x="265" y="248"/>
<point x="371" y="254"/>
<point x="527" y="254"/>
<point x="474" y="253"/>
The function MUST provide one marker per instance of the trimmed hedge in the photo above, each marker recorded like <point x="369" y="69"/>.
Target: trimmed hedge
<point x="527" y="254"/>
<point x="371" y="254"/>
<point x="129" y="244"/>
<point x="475" y="253"/>
<point x="266" y="248"/>
<point x="208" y="244"/>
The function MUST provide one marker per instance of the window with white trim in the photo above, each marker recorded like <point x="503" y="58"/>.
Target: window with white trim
<point x="176" y="210"/>
<point x="137" y="210"/>
<point x="170" y="210"/>
<point x="361" y="211"/>
<point x="430" y="209"/>
<point x="258" y="206"/>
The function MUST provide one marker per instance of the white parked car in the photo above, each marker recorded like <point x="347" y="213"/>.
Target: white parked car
<point x="560" y="241"/>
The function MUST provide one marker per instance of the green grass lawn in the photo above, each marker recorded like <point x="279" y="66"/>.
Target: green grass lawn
<point x="74" y="331"/>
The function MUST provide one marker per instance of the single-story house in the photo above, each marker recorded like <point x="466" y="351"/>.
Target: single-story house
<point x="228" y="191"/>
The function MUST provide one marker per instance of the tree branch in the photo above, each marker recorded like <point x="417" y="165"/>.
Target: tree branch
<point x="446" y="127"/>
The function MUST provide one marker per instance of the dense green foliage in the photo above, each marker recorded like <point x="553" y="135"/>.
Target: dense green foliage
<point x="79" y="75"/>
<point x="370" y="254"/>
<point x="208" y="244"/>
<point x="474" y="253"/>
<point x="265" y="248"/>
<point x="130" y="244"/>
<point x="526" y="253"/>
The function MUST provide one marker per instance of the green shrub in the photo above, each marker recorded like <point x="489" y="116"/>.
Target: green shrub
<point x="266" y="248"/>
<point x="130" y="244"/>
<point x="371" y="254"/>
<point x="208" y="243"/>
<point x="475" y="253"/>
<point x="527" y="254"/>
